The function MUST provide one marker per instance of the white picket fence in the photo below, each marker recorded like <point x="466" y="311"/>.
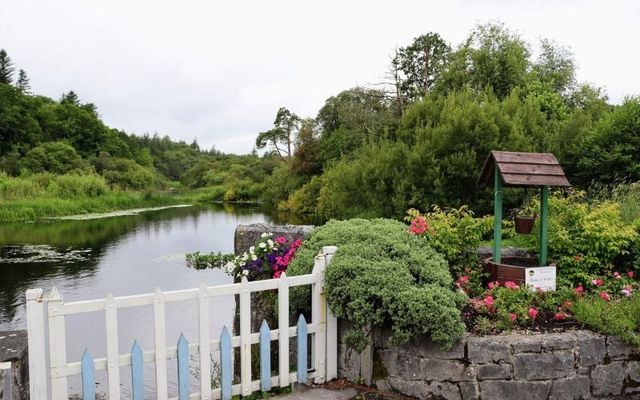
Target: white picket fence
<point x="46" y="314"/>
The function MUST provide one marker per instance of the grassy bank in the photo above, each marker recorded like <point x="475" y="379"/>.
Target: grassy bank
<point x="47" y="195"/>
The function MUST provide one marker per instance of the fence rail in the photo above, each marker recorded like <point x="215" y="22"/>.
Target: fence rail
<point x="55" y="368"/>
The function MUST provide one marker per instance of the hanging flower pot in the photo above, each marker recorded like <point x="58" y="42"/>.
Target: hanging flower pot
<point x="524" y="225"/>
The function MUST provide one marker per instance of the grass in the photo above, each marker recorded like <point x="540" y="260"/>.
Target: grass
<point x="35" y="209"/>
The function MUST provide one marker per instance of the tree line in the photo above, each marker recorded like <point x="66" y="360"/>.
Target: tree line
<point x="67" y="136"/>
<point x="421" y="136"/>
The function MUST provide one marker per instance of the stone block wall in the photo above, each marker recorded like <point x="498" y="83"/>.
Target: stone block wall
<point x="569" y="365"/>
<point x="13" y="349"/>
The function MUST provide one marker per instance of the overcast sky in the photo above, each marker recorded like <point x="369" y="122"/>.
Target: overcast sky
<point x="217" y="71"/>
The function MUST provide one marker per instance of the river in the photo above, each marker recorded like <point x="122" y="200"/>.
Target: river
<point x="123" y="255"/>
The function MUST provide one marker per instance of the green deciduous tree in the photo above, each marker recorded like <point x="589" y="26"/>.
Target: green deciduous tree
<point x="281" y="138"/>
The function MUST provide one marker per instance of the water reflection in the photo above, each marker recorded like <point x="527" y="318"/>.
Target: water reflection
<point x="123" y="255"/>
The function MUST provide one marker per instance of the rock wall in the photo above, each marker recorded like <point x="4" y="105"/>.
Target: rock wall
<point x="569" y="365"/>
<point x="13" y="349"/>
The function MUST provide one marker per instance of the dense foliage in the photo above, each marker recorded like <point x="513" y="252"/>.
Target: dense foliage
<point x="422" y="137"/>
<point x="384" y="276"/>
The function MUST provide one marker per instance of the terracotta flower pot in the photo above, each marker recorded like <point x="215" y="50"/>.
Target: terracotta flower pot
<point x="524" y="225"/>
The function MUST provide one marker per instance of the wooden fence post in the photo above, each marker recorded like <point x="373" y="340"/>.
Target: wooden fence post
<point x="57" y="346"/>
<point x="332" y="324"/>
<point x="37" y="347"/>
<point x="245" y="337"/>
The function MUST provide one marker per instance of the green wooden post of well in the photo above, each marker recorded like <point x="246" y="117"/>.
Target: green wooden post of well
<point x="544" y="225"/>
<point x="497" y="216"/>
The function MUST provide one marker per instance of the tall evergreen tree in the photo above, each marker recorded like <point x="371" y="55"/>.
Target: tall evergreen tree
<point x="70" y="98"/>
<point x="23" y="82"/>
<point x="6" y="68"/>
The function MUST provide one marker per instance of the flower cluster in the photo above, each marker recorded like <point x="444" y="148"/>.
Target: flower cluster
<point x="269" y="258"/>
<point x="503" y="306"/>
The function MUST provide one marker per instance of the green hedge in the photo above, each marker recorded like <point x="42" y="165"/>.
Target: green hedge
<point x="382" y="276"/>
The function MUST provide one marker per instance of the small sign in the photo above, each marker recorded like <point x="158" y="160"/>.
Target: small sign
<point x="542" y="278"/>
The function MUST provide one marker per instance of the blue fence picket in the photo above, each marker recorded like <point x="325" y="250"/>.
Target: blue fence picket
<point x="88" y="383"/>
<point x="183" y="368"/>
<point x="225" y="364"/>
<point x="302" y="349"/>
<point x="265" y="357"/>
<point x="137" y="372"/>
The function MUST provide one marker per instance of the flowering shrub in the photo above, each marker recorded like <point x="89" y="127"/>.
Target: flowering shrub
<point x="454" y="233"/>
<point x="587" y="239"/>
<point x="509" y="306"/>
<point x="268" y="258"/>
<point x="597" y="305"/>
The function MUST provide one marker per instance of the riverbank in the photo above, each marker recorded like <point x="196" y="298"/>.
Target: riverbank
<point x="43" y="208"/>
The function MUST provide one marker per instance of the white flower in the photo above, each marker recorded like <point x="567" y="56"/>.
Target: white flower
<point x="264" y="235"/>
<point x="270" y="243"/>
<point x="252" y="249"/>
<point x="245" y="272"/>
<point x="262" y="245"/>
<point x="254" y="257"/>
<point x="230" y="267"/>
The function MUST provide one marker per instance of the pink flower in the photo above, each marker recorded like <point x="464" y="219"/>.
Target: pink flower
<point x="617" y="275"/>
<point x="280" y="240"/>
<point x="560" y="316"/>
<point x="597" y="282"/>
<point x="627" y="290"/>
<point x="493" y="285"/>
<point x="511" y="285"/>
<point x="630" y="274"/>
<point x="604" y="296"/>
<point x="513" y="317"/>
<point x="533" y="313"/>
<point x="579" y="290"/>
<point x="419" y="225"/>
<point x="488" y="301"/>
<point x="277" y="274"/>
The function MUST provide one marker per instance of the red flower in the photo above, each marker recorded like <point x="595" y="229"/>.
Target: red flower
<point x="630" y="274"/>
<point x="579" y="290"/>
<point x="597" y="282"/>
<point x="513" y="317"/>
<point x="511" y="285"/>
<point x="560" y="316"/>
<point x="604" y="296"/>
<point x="533" y="313"/>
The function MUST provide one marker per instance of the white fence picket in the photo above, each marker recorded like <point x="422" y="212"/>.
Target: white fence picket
<point x="160" y="346"/>
<point x="204" y="346"/>
<point x="283" y="330"/>
<point x="245" y="337"/>
<point x="113" y="364"/>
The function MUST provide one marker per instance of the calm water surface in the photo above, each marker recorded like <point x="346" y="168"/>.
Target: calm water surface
<point x="123" y="255"/>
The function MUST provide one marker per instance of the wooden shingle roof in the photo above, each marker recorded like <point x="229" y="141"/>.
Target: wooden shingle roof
<point x="524" y="169"/>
